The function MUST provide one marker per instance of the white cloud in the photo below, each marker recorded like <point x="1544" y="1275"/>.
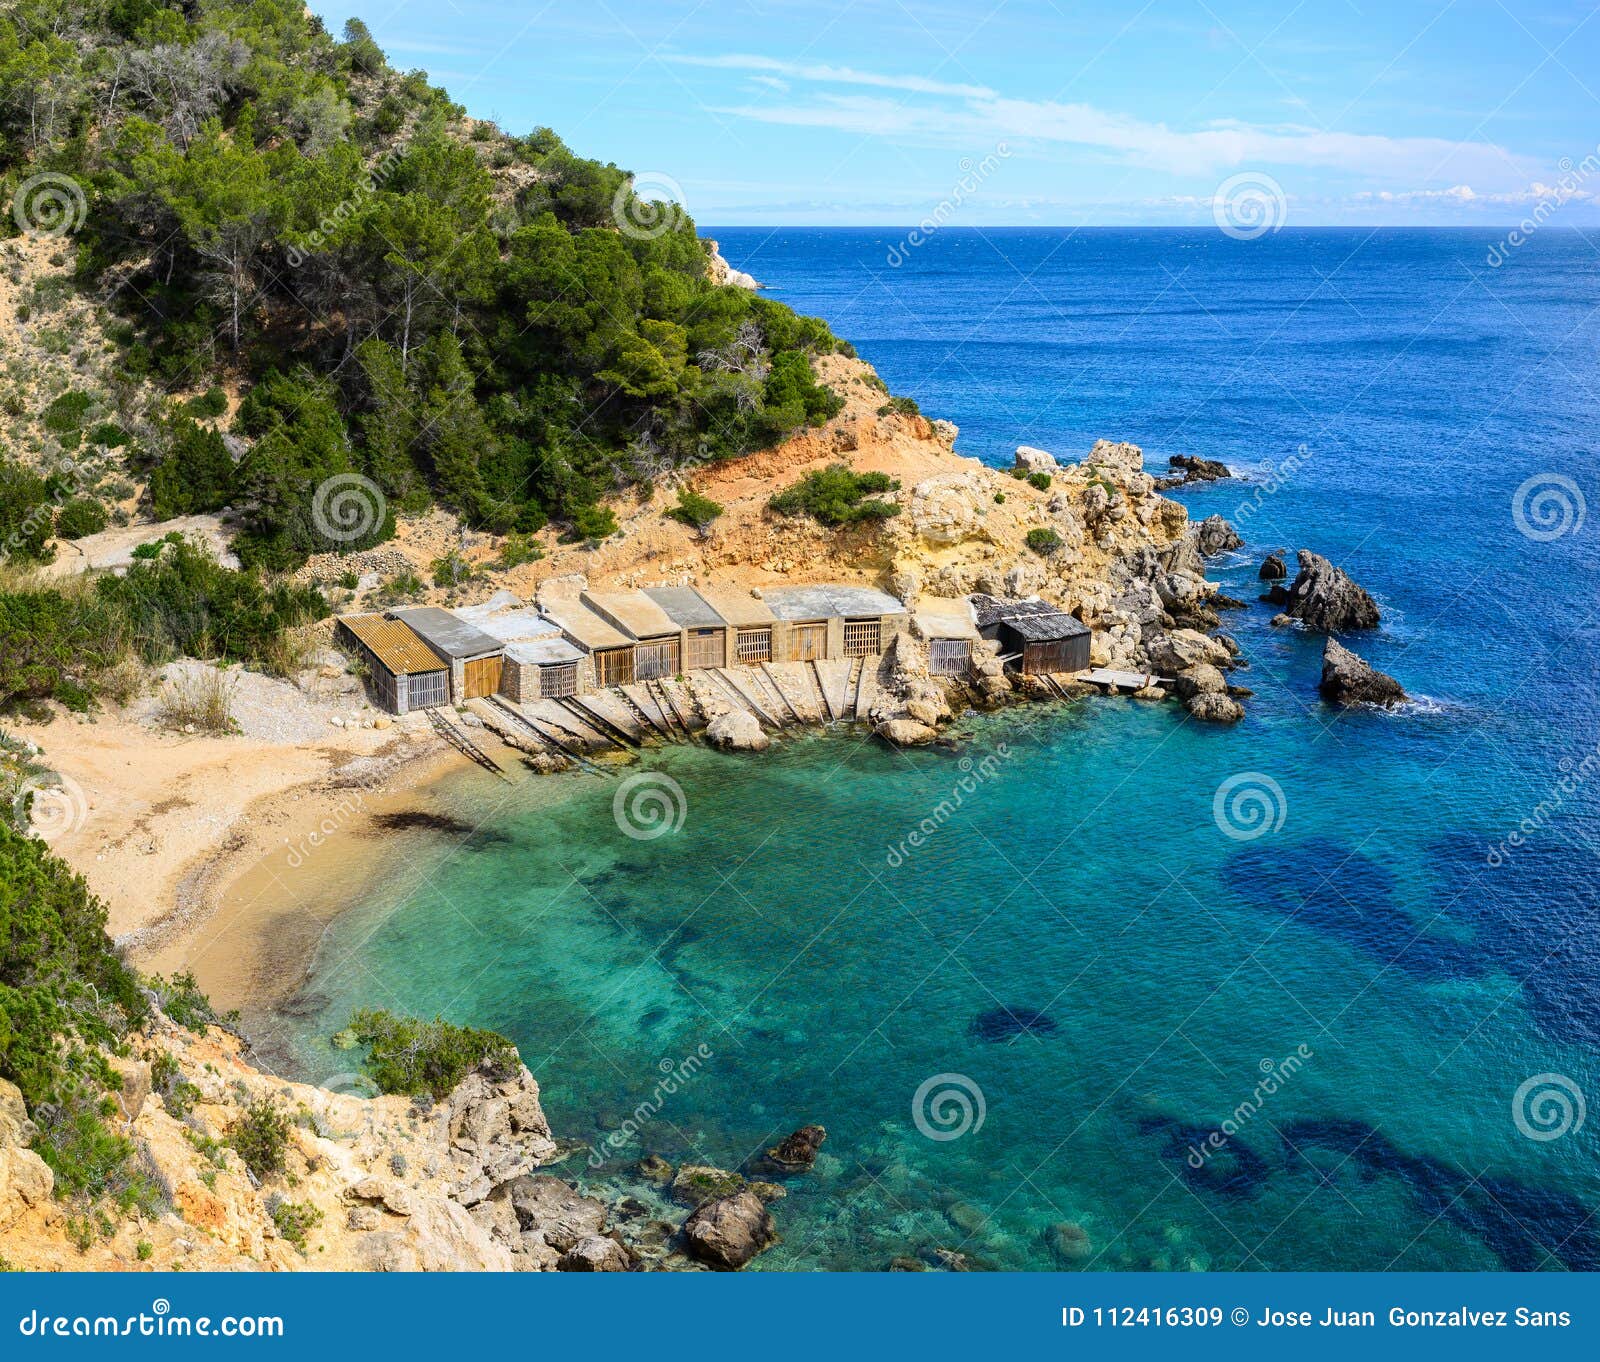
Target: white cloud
<point x="962" y="116"/>
<point x="835" y="75"/>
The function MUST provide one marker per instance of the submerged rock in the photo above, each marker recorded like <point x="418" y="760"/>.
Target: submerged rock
<point x="729" y="1232"/>
<point x="1350" y="680"/>
<point x="594" y="1253"/>
<point x="1214" y="708"/>
<point x="1069" y="1242"/>
<point x="1324" y="598"/>
<point x="906" y="732"/>
<point x="698" y="1183"/>
<point x="798" y="1152"/>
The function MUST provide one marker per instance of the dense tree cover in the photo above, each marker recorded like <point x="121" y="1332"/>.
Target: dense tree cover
<point x="428" y="1058"/>
<point x="454" y="313"/>
<point x="837" y="495"/>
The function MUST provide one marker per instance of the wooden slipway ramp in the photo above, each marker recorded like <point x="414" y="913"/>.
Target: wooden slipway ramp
<point x="792" y="681"/>
<point x="834" y="678"/>
<point x="447" y="729"/>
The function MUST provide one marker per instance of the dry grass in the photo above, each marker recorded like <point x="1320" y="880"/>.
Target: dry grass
<point x="199" y="701"/>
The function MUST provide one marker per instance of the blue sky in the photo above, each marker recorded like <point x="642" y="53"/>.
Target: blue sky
<point x="1042" y="111"/>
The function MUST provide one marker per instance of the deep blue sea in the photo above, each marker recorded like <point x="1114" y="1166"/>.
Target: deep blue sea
<point x="1318" y="991"/>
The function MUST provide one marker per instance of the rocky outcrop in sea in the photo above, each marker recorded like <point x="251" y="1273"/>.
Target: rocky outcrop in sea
<point x="1350" y="680"/>
<point x="1322" y="597"/>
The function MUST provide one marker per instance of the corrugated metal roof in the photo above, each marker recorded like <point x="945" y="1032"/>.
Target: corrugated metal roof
<point x="394" y="644"/>
<point x="447" y="633"/>
<point x="1046" y="628"/>
<point x="686" y="606"/>
<point x="631" y="611"/>
<point x="988" y="610"/>
<point x="830" y="601"/>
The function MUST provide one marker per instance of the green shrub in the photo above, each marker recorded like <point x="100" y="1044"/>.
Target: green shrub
<point x="1043" y="541"/>
<point x="80" y="517"/>
<point x="27" y="515"/>
<point x="211" y="403"/>
<point x="428" y="1059"/>
<point x="197" y="474"/>
<point x="261" y="1139"/>
<point x="594" y="523"/>
<point x="837" y="496"/>
<point x="519" y="549"/>
<point x="900" y="406"/>
<point x="294" y="1219"/>
<point x="66" y="413"/>
<point x="696" y="511"/>
<point x="1040" y="480"/>
<point x="108" y="435"/>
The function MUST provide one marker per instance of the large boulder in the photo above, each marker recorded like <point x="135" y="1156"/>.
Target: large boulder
<point x="1323" y="598"/>
<point x="1114" y="457"/>
<point x="906" y="733"/>
<point x="729" y="1232"/>
<point x="1214" y="535"/>
<point x="1214" y="708"/>
<point x="1273" y="568"/>
<point x="497" y="1131"/>
<point x="1200" y="679"/>
<point x="1351" y="680"/>
<point x="15" y="1127"/>
<point x="594" y="1253"/>
<point x="1176" y="650"/>
<point x="1192" y="468"/>
<point x="1031" y="460"/>
<point x="737" y="730"/>
<point x="552" y="1214"/>
<point x="25" y="1184"/>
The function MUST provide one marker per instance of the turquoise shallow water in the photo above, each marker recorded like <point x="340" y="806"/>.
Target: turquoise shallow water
<point x="1083" y="944"/>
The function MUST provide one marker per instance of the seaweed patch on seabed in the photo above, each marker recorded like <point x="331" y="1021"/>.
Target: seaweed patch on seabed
<point x="1324" y="885"/>
<point x="1006" y="1023"/>
<point x="1498" y="1211"/>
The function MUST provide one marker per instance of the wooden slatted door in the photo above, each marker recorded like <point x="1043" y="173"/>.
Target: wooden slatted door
<point x="652" y="661"/>
<point x="753" y="645"/>
<point x="709" y="648"/>
<point x="482" y="677"/>
<point x="614" y="667"/>
<point x="808" y="642"/>
<point x="863" y="638"/>
<point x="949" y="656"/>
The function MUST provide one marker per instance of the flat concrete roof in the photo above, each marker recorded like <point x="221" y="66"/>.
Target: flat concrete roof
<point x="830" y="601"/>
<point x="584" y="627"/>
<point x="738" y="608"/>
<point x="686" y="606"/>
<point x="633" y="612"/>
<point x="446" y="633"/>
<point x="942" y="617"/>
<point x="542" y="652"/>
<point x="507" y="619"/>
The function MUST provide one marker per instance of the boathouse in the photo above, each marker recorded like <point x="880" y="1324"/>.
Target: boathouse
<point x="946" y="626"/>
<point x="474" y="656"/>
<point x="538" y="663"/>
<point x="705" y="631"/>
<point x="749" y="623"/>
<point x="404" y="673"/>
<point x="831" y="621"/>
<point x="607" y="652"/>
<point x="1035" y="637"/>
<point x="657" y="637"/>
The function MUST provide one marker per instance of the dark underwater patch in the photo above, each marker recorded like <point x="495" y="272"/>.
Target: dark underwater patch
<point x="1234" y="1170"/>
<point x="1528" y="1228"/>
<point x="1006" y="1023"/>
<point x="1331" y="888"/>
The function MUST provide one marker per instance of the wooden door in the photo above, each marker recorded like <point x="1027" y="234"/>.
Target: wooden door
<point x="707" y="648"/>
<point x="808" y="642"/>
<point x="482" y="677"/>
<point x="651" y="661"/>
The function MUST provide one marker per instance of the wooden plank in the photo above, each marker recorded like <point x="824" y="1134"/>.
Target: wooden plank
<point x="743" y="697"/>
<point x="641" y="699"/>
<point x="682" y="699"/>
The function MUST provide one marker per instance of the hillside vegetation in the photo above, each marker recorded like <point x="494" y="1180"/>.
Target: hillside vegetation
<point x="415" y="307"/>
